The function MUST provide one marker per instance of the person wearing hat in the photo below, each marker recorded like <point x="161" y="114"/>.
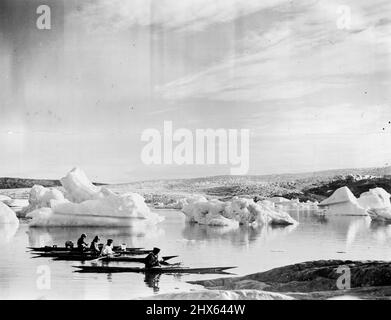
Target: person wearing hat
<point x="94" y="246"/>
<point x="152" y="259"/>
<point x="81" y="244"/>
<point x="108" y="248"/>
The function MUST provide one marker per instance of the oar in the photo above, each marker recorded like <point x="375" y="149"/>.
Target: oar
<point x="103" y="257"/>
<point x="164" y="263"/>
<point x="165" y="258"/>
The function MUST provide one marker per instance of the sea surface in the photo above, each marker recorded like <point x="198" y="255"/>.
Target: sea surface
<point x="251" y="250"/>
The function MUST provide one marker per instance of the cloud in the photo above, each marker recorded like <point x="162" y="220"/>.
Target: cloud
<point x="340" y="119"/>
<point x="296" y="55"/>
<point x="185" y="15"/>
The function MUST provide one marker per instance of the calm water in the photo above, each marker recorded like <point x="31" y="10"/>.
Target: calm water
<point x="252" y="250"/>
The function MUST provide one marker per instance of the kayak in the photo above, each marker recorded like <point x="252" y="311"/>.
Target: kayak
<point x="75" y="256"/>
<point x="64" y="249"/>
<point x="110" y="269"/>
<point x="107" y="259"/>
<point x="71" y="256"/>
<point x="54" y="254"/>
<point x="132" y="259"/>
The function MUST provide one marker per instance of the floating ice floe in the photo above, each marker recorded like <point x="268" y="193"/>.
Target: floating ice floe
<point x="381" y="214"/>
<point x="207" y="212"/>
<point x="343" y="202"/>
<point x="376" y="198"/>
<point x="84" y="204"/>
<point x="232" y="213"/>
<point x="7" y="216"/>
<point x="290" y="204"/>
<point x="377" y="201"/>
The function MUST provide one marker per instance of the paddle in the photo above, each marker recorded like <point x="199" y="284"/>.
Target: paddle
<point x="165" y="258"/>
<point x="164" y="263"/>
<point x="103" y="257"/>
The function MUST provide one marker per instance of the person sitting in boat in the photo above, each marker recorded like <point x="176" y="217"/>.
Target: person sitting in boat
<point x="81" y="244"/>
<point x="69" y="244"/>
<point x="94" y="246"/>
<point x="152" y="259"/>
<point x="108" y="248"/>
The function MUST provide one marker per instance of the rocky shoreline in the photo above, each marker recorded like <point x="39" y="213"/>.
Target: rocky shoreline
<point x="315" y="280"/>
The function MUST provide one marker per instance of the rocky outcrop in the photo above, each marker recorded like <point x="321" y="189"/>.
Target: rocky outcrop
<point x="315" y="280"/>
<point x="221" y="295"/>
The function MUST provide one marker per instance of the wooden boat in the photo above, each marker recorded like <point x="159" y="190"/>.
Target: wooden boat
<point x="168" y="270"/>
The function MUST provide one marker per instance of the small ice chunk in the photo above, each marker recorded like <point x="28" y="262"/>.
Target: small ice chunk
<point x="380" y="214"/>
<point x="237" y="211"/>
<point x="375" y="198"/>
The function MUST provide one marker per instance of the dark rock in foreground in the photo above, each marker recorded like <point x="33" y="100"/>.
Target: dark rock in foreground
<point x="316" y="280"/>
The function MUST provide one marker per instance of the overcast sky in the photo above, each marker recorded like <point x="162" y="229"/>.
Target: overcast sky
<point x="314" y="95"/>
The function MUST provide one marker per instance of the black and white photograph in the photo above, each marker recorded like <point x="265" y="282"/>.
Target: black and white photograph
<point x="195" y="150"/>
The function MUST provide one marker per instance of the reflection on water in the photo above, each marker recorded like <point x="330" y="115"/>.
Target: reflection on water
<point x="380" y="231"/>
<point x="250" y="249"/>
<point x="7" y="232"/>
<point x="355" y="228"/>
<point x="242" y="235"/>
<point x="152" y="281"/>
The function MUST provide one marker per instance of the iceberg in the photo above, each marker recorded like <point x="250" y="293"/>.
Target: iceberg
<point x="84" y="204"/>
<point x="207" y="212"/>
<point x="376" y="198"/>
<point x="343" y="202"/>
<point x="78" y="187"/>
<point x="41" y="197"/>
<point x="238" y="211"/>
<point x="377" y="201"/>
<point x="7" y="216"/>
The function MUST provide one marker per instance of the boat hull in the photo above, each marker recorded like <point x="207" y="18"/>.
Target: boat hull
<point x="167" y="270"/>
<point x="57" y="249"/>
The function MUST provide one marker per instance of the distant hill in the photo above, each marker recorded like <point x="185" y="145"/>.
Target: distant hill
<point x="305" y="186"/>
<point x="230" y="179"/>
<point x="16" y="183"/>
<point x="288" y="185"/>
